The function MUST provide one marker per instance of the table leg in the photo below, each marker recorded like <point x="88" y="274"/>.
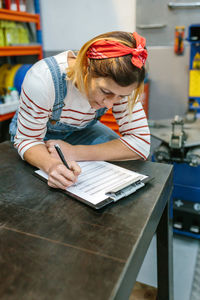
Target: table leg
<point x="165" y="257"/>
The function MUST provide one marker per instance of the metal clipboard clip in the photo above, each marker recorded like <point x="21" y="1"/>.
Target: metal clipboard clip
<point x="126" y="191"/>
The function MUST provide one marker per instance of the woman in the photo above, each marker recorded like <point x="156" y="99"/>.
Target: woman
<point x="63" y="97"/>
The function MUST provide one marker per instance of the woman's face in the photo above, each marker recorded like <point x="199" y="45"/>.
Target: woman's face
<point x="104" y="92"/>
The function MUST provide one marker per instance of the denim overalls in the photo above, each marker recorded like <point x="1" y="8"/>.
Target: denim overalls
<point x="93" y="133"/>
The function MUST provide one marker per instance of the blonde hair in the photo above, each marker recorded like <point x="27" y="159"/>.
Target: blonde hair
<point x="120" y="69"/>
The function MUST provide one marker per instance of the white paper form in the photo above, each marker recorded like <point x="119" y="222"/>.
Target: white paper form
<point x="98" y="178"/>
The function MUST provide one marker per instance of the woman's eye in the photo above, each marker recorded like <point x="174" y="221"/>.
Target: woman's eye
<point x="105" y="92"/>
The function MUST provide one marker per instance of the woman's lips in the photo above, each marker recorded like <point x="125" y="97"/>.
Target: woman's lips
<point x="99" y="105"/>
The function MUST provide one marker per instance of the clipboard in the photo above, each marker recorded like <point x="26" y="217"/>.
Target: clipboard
<point x="101" y="183"/>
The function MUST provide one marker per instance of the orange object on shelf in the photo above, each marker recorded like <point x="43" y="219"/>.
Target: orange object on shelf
<point x="6" y="116"/>
<point x="109" y="120"/>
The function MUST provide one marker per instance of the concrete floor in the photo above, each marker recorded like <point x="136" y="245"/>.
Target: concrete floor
<point x="184" y="258"/>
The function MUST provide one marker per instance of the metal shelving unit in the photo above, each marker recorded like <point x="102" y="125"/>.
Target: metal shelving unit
<point x="22" y="50"/>
<point x="17" y="16"/>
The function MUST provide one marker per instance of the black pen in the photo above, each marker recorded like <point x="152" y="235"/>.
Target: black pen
<point x="57" y="147"/>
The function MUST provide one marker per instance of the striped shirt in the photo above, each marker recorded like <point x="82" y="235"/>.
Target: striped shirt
<point x="37" y="100"/>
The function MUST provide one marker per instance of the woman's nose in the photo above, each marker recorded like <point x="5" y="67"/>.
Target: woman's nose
<point x="108" y="103"/>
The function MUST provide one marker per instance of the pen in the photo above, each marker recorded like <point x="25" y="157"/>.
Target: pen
<point x="57" y="147"/>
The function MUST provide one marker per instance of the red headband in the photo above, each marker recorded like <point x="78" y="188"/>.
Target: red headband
<point x="108" y="49"/>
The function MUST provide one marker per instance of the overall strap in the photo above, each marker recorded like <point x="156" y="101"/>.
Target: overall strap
<point x="60" y="86"/>
<point x="100" y="112"/>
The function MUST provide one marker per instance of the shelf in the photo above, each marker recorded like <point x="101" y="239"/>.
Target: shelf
<point x="21" y="50"/>
<point x="6" y="116"/>
<point x="11" y="15"/>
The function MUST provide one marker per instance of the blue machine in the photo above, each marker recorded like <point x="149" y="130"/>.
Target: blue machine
<point x="186" y="194"/>
<point x="180" y="146"/>
<point x="186" y="200"/>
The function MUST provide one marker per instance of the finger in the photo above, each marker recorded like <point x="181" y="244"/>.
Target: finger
<point x="64" y="175"/>
<point x="50" y="142"/>
<point x="47" y="143"/>
<point x="51" y="149"/>
<point x="59" y="181"/>
<point x="57" y="184"/>
<point x="75" y="168"/>
<point x="68" y="174"/>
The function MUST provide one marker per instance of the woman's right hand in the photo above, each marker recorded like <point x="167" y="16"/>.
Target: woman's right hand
<point x="61" y="177"/>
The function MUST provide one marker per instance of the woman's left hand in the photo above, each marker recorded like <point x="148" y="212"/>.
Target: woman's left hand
<point x="65" y="147"/>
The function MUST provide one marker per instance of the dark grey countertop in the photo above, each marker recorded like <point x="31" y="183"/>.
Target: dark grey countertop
<point x="54" y="247"/>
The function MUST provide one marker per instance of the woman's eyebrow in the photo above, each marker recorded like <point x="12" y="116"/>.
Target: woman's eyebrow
<point x="125" y="95"/>
<point x="108" y="91"/>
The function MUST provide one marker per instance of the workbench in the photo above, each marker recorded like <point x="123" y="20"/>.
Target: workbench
<point x="54" y="247"/>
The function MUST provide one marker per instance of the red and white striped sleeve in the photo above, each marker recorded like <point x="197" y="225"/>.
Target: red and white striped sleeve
<point x="133" y="127"/>
<point x="36" y="100"/>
